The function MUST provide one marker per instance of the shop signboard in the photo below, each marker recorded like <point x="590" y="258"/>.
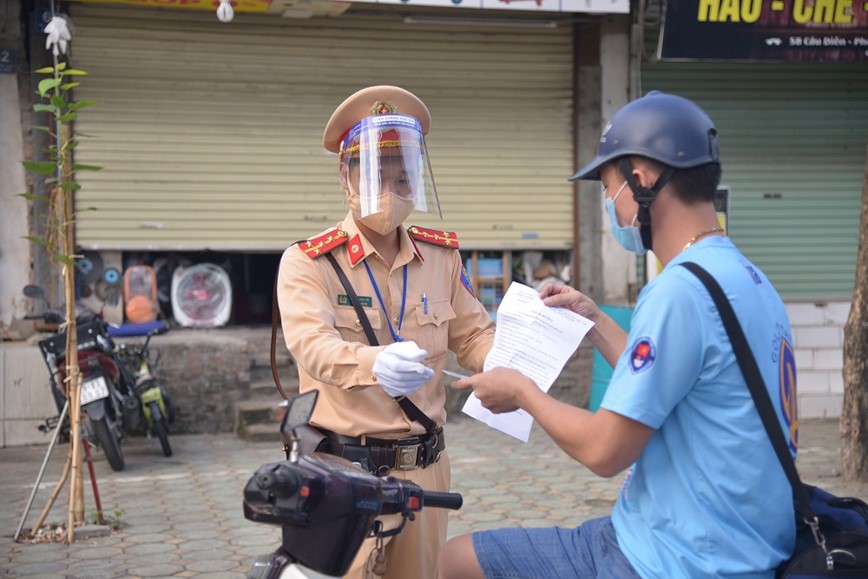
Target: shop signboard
<point x="765" y="30"/>
<point x="237" y="5"/>
<point x="587" y="6"/>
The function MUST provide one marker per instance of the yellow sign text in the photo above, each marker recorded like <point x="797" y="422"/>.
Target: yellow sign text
<point x="729" y="10"/>
<point x="825" y="11"/>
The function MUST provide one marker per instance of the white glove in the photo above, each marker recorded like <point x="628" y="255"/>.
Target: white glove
<point x="398" y="368"/>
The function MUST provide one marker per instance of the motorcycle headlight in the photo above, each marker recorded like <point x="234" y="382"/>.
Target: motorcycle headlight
<point x="261" y="567"/>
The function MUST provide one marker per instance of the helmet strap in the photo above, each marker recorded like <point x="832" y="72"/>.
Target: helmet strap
<point x="644" y="196"/>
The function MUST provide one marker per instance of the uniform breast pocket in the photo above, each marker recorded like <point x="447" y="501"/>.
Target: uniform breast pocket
<point x="433" y="321"/>
<point x="349" y="325"/>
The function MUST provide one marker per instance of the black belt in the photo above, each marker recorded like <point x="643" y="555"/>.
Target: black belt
<point x="377" y="454"/>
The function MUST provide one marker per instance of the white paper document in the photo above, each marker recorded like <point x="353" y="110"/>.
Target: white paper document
<point x="534" y="339"/>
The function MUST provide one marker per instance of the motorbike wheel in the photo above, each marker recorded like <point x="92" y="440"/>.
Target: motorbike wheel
<point x="110" y="445"/>
<point x="160" y="429"/>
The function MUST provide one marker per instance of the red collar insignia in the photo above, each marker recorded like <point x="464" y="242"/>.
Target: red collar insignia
<point x="322" y="244"/>
<point x="434" y="236"/>
<point x="355" y="249"/>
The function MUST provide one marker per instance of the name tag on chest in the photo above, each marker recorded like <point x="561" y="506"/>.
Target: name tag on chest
<point x="365" y="301"/>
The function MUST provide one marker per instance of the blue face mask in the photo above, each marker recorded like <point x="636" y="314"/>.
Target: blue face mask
<point x="627" y="236"/>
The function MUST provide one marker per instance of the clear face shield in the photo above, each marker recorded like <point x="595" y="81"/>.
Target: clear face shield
<point x="386" y="155"/>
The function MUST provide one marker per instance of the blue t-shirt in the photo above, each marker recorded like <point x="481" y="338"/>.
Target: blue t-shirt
<point x="708" y="496"/>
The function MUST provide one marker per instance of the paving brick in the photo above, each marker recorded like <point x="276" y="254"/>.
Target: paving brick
<point x="511" y="483"/>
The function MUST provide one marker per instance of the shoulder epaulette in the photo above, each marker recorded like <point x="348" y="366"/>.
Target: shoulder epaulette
<point x="324" y="243"/>
<point x="434" y="236"/>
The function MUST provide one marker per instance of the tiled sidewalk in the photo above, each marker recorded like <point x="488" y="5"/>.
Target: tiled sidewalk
<point x="185" y="519"/>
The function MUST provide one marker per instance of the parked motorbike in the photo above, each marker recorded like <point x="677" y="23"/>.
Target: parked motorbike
<point x="156" y="405"/>
<point x="115" y="398"/>
<point x="103" y="396"/>
<point x="325" y="505"/>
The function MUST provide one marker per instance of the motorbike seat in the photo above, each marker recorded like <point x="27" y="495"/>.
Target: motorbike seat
<point x="138" y="330"/>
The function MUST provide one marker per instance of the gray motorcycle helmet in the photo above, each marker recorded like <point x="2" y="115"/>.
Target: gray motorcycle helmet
<point x="664" y="127"/>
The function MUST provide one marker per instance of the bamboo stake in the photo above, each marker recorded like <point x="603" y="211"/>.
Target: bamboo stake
<point x="57" y="488"/>
<point x="69" y="225"/>
<point x="72" y="371"/>
<point x="74" y="397"/>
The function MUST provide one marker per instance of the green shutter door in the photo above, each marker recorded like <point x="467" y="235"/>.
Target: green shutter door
<point x="793" y="145"/>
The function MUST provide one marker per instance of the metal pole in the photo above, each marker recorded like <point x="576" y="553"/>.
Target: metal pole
<point x="42" y="469"/>
<point x="89" y="460"/>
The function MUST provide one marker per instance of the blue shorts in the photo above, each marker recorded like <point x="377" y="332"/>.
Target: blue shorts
<point x="590" y="550"/>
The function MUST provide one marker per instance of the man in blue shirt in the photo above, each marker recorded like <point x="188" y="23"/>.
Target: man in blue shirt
<point x="705" y="495"/>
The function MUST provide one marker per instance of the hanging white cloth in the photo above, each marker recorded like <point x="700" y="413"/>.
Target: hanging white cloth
<point x="59" y="35"/>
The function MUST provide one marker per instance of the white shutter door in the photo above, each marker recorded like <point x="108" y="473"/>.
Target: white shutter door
<point x="210" y="133"/>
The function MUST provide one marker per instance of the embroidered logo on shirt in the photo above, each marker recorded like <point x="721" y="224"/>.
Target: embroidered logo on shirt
<point x="366" y="301"/>
<point x="643" y="353"/>
<point x="465" y="281"/>
<point x="753" y="274"/>
<point x="787" y="381"/>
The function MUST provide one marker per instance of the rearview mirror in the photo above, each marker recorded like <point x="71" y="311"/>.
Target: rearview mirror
<point x="298" y="412"/>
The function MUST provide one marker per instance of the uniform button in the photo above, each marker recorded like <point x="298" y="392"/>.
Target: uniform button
<point x="358" y="322"/>
<point x="373" y="378"/>
<point x="396" y="320"/>
<point x="436" y="317"/>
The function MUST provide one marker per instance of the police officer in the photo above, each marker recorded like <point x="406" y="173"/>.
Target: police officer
<point x="413" y="299"/>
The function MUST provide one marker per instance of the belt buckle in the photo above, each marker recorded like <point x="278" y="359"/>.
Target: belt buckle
<point x="406" y="456"/>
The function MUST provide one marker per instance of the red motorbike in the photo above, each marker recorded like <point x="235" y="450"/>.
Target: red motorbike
<point x="111" y="394"/>
<point x="102" y="399"/>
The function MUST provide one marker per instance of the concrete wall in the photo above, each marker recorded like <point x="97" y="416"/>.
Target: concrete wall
<point x="25" y="396"/>
<point x="818" y="336"/>
<point x="205" y="372"/>
<point x="14" y="249"/>
<point x="619" y="271"/>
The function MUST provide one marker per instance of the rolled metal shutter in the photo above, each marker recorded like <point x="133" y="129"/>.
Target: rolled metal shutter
<point x="210" y="133"/>
<point x="793" y="142"/>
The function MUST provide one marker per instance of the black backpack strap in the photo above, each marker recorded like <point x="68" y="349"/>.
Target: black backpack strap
<point x="411" y="410"/>
<point x="756" y="385"/>
<point x="354" y="299"/>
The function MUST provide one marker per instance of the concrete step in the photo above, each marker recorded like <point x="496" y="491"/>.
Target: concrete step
<point x="257" y="411"/>
<point x="259" y="358"/>
<point x="264" y="387"/>
<point x="263" y="433"/>
<point x="262" y="373"/>
<point x="262" y="356"/>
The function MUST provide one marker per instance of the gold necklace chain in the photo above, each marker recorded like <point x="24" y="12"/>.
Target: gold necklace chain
<point x="703" y="234"/>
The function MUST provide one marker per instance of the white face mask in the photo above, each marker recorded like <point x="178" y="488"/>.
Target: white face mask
<point x="628" y="236"/>
<point x="394" y="209"/>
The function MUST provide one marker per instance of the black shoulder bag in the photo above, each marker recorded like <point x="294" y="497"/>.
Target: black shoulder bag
<point x="831" y="532"/>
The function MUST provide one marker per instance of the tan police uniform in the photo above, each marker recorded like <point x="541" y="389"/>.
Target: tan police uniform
<point x="435" y="308"/>
<point x="325" y="336"/>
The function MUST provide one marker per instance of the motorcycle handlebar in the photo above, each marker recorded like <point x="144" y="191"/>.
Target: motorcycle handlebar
<point x="438" y="500"/>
